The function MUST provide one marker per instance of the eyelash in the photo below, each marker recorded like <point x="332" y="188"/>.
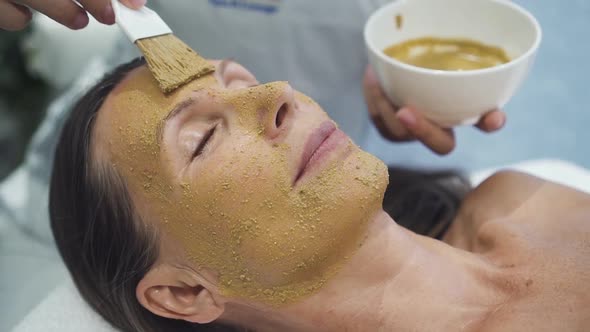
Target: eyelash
<point x="203" y="143"/>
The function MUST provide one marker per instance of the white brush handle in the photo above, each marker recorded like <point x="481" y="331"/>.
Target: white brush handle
<point x="139" y="24"/>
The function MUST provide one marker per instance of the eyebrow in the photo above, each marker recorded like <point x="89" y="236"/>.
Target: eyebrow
<point x="183" y="105"/>
<point x="178" y="108"/>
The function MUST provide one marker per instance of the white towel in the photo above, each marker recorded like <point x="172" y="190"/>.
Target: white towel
<point x="63" y="310"/>
<point x="555" y="170"/>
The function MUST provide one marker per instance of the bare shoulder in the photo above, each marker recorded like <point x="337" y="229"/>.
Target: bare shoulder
<point x="519" y="198"/>
<point x="538" y="233"/>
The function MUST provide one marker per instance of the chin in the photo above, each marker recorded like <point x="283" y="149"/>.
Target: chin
<point x="348" y="195"/>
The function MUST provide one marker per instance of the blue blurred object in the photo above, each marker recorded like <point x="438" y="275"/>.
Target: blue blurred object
<point x="547" y="118"/>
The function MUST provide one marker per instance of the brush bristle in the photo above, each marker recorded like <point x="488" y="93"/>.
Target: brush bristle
<point x="172" y="62"/>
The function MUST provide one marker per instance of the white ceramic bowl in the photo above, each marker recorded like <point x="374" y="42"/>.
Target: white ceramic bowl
<point x="451" y="98"/>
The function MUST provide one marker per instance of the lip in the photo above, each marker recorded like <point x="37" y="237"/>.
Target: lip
<point x="322" y="141"/>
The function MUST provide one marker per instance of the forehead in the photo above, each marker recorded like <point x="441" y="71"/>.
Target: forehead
<point x="125" y="131"/>
<point x="139" y="93"/>
<point x="137" y="106"/>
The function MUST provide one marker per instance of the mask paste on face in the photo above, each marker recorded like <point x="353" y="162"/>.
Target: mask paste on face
<point x="240" y="216"/>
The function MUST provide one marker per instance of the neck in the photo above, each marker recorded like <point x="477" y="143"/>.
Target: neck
<point x="400" y="281"/>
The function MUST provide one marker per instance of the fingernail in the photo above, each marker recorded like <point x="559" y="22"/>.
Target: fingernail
<point x="108" y="16"/>
<point x="80" y="21"/>
<point x="406" y="117"/>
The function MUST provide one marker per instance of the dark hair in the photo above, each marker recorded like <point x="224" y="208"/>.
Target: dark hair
<point x="103" y="242"/>
<point x="426" y="202"/>
<point x="108" y="249"/>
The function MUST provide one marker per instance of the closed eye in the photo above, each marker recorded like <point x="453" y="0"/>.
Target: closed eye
<point x="203" y="143"/>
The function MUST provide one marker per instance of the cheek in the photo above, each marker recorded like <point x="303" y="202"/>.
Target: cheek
<point x="246" y="175"/>
<point x="231" y="199"/>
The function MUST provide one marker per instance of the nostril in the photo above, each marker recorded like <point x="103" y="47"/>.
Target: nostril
<point x="281" y="114"/>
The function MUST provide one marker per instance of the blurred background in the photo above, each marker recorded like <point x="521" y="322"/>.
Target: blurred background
<point x="36" y="66"/>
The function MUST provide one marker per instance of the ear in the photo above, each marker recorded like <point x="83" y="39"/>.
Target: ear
<point x="171" y="292"/>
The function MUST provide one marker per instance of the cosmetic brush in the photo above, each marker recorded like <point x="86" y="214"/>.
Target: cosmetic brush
<point x="172" y="62"/>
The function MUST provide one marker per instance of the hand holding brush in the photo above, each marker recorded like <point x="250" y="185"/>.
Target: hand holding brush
<point x="16" y="15"/>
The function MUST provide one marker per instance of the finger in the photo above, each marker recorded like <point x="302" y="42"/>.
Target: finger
<point x="368" y="83"/>
<point x="373" y="112"/>
<point x="381" y="110"/>
<point x="65" y="12"/>
<point x="13" y="17"/>
<point x="396" y="131"/>
<point x="134" y="4"/>
<point x="383" y="130"/>
<point x="376" y="117"/>
<point x="437" y="139"/>
<point x="102" y="10"/>
<point x="492" y="121"/>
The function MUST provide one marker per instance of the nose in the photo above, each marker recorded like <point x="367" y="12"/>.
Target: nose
<point x="265" y="109"/>
<point x="279" y="106"/>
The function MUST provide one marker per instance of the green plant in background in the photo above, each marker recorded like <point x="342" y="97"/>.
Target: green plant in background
<point x="23" y="99"/>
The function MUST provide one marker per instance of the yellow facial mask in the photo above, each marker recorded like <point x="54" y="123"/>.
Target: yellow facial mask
<point x="238" y="214"/>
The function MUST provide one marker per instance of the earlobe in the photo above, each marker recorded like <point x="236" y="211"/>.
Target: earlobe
<point x="164" y="292"/>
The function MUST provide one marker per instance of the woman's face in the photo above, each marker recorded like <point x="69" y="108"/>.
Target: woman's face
<point x="253" y="181"/>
